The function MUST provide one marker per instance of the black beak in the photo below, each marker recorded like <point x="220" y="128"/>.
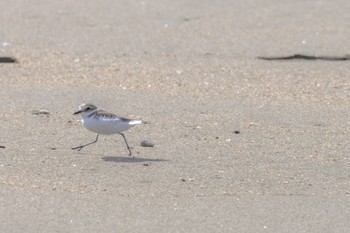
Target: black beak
<point x="77" y="112"/>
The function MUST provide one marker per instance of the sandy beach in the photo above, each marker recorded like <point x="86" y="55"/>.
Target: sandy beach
<point x="241" y="144"/>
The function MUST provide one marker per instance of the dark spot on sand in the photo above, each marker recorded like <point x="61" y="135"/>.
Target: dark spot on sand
<point x="8" y="60"/>
<point x="307" y="57"/>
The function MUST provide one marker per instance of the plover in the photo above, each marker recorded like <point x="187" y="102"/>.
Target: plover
<point x="102" y="122"/>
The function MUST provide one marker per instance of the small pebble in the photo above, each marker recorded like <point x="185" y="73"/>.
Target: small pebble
<point x="146" y="143"/>
<point x="236" y="132"/>
<point x="2" y="146"/>
<point x="42" y="111"/>
<point x="183" y="180"/>
<point x="145" y="164"/>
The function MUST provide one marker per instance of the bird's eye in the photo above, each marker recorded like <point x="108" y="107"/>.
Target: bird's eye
<point x="88" y="108"/>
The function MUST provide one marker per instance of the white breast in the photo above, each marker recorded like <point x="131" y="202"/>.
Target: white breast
<point x="106" y="126"/>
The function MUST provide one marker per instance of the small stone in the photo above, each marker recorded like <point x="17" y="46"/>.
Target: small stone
<point x="2" y="147"/>
<point x="146" y="143"/>
<point x="252" y="124"/>
<point x="41" y="112"/>
<point x="145" y="164"/>
<point x="183" y="180"/>
<point x="236" y="132"/>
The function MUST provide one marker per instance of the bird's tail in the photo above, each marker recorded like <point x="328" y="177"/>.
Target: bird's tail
<point x="137" y="122"/>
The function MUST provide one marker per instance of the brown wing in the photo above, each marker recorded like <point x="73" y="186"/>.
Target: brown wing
<point x="125" y="119"/>
<point x="108" y="115"/>
<point x="104" y="114"/>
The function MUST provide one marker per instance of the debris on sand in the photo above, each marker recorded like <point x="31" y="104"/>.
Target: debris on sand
<point x="307" y="57"/>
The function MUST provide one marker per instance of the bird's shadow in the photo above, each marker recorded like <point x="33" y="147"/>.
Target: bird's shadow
<point x="130" y="159"/>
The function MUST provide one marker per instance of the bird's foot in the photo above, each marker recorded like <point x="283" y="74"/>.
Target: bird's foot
<point x="78" y="148"/>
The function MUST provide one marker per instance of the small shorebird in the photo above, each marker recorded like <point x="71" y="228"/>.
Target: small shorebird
<point x="102" y="122"/>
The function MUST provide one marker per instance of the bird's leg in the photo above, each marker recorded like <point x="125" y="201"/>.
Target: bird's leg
<point x="81" y="147"/>
<point x="127" y="145"/>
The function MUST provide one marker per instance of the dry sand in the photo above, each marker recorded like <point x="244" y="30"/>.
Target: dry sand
<point x="190" y="68"/>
